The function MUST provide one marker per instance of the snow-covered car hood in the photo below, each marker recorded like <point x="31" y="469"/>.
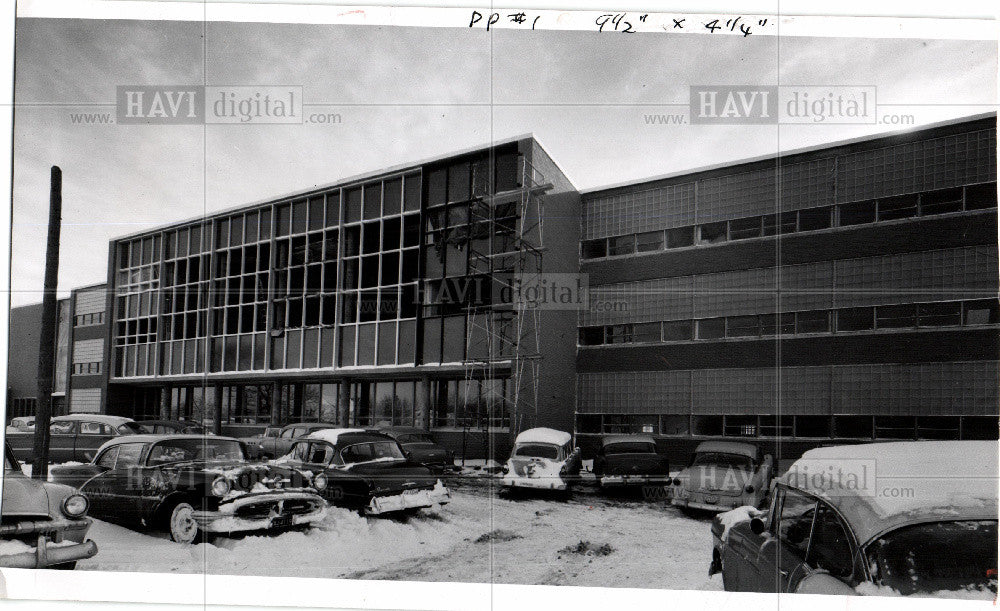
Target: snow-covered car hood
<point x="23" y="496"/>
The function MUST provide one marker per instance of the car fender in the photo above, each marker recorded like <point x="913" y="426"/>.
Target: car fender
<point x="822" y="582"/>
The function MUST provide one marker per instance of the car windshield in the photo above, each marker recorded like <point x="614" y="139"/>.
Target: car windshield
<point x="938" y="556"/>
<point x="414" y="438"/>
<point x="537" y="450"/>
<point x="630" y="447"/>
<point x="181" y="450"/>
<point x="722" y="460"/>
<point x="375" y="450"/>
<point x="271" y="432"/>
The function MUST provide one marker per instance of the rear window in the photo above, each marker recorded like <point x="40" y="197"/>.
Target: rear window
<point x="938" y="556"/>
<point x="630" y="447"/>
<point x="723" y="461"/>
<point x="537" y="450"/>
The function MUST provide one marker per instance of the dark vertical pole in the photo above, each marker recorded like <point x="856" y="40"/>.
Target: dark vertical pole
<point x="47" y="338"/>
<point x="217" y="414"/>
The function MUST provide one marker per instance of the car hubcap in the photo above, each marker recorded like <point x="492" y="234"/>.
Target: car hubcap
<point x="183" y="528"/>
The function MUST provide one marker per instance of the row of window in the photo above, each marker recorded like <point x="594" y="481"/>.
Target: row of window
<point x="929" y="203"/>
<point x="84" y="320"/>
<point x="897" y="316"/>
<point x="805" y="427"/>
<point x="87" y="368"/>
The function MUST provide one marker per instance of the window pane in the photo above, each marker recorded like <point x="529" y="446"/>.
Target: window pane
<point x="712" y="233"/>
<point x="619" y="334"/>
<point x="984" y="312"/>
<point x="646" y="332"/>
<point x="855" y="319"/>
<point x="812" y="322"/>
<point x="896" y="316"/>
<point x="941" y="202"/>
<point x="979" y="197"/>
<point x="743" y="326"/>
<point x="795" y="521"/>
<point x="774" y="225"/>
<point x="712" y="328"/>
<point x="677" y="330"/>
<point x="623" y="245"/>
<point x="901" y="207"/>
<point x="593" y="249"/>
<point x="857" y="213"/>
<point x="591" y="336"/>
<point x="678" y="238"/>
<point x="939" y="314"/>
<point x="741" y="229"/>
<point x="651" y="240"/>
<point x="816" y="218"/>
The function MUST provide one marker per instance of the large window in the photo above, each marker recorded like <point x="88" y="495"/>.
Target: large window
<point x="137" y="284"/>
<point x="381" y="258"/>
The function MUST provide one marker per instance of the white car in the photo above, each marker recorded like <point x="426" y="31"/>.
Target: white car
<point x="543" y="459"/>
<point x="723" y="475"/>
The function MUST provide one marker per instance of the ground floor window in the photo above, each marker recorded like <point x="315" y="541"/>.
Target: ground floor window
<point x="471" y="403"/>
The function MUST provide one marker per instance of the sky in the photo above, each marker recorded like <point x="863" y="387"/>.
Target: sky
<point x="406" y="94"/>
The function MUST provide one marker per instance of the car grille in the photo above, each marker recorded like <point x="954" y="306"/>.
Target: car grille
<point x="264" y="509"/>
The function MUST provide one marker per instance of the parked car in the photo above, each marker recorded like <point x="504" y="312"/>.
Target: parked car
<point x="274" y="447"/>
<point x="21" y="423"/>
<point x="166" y="427"/>
<point x="910" y="518"/>
<point x="629" y="460"/>
<point x="192" y="486"/>
<point x="42" y="524"/>
<point x="74" y="437"/>
<point x="367" y="472"/>
<point x="254" y="443"/>
<point x="723" y="475"/>
<point x="542" y="459"/>
<point x="419" y="446"/>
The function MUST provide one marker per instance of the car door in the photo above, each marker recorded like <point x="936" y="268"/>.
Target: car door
<point x="283" y="444"/>
<point x="120" y="486"/>
<point x="94" y="481"/>
<point x="62" y="439"/>
<point x="832" y="549"/>
<point x="781" y="557"/>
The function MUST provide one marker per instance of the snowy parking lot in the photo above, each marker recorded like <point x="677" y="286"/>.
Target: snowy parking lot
<point x="481" y="536"/>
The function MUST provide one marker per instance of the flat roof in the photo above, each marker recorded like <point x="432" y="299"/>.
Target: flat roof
<point x="915" y="130"/>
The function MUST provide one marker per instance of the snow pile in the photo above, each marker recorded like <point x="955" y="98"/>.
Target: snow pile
<point x="733" y="517"/>
<point x="543" y="435"/>
<point x="331" y="435"/>
<point x="868" y="588"/>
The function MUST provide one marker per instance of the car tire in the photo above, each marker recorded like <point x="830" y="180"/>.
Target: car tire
<point x="180" y="523"/>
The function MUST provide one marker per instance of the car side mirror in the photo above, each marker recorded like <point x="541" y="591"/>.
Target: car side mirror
<point x="757" y="526"/>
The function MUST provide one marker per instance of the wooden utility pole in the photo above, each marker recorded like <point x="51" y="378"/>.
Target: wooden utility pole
<point x="47" y="338"/>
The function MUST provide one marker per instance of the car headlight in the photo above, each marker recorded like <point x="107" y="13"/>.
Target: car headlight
<point x="75" y="506"/>
<point x="320" y="482"/>
<point x="221" y="486"/>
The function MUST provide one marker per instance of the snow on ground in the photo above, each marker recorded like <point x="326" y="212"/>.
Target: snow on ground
<point x="478" y="537"/>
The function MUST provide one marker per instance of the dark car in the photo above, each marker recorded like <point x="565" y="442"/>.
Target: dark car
<point x="367" y="472"/>
<point x="281" y="444"/>
<point x="629" y="460"/>
<point x="911" y="518"/>
<point x="192" y="486"/>
<point x="166" y="427"/>
<point x="419" y="446"/>
<point x="723" y="475"/>
<point x="253" y="444"/>
<point x="74" y="437"/>
<point x="43" y="525"/>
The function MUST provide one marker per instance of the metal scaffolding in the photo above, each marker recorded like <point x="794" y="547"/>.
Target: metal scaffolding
<point x="506" y="248"/>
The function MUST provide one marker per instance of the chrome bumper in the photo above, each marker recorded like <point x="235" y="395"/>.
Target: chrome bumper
<point x="536" y="483"/>
<point x="722" y="505"/>
<point x="411" y="499"/>
<point x="631" y="480"/>
<point x="225" y="521"/>
<point x="47" y="553"/>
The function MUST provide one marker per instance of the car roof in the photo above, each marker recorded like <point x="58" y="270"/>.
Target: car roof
<point x="879" y="487"/>
<point x="154" y="437"/>
<point x="171" y="422"/>
<point x="728" y="447"/>
<point x="609" y="439"/>
<point x="544" y="435"/>
<point x="103" y="418"/>
<point x="333" y="435"/>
